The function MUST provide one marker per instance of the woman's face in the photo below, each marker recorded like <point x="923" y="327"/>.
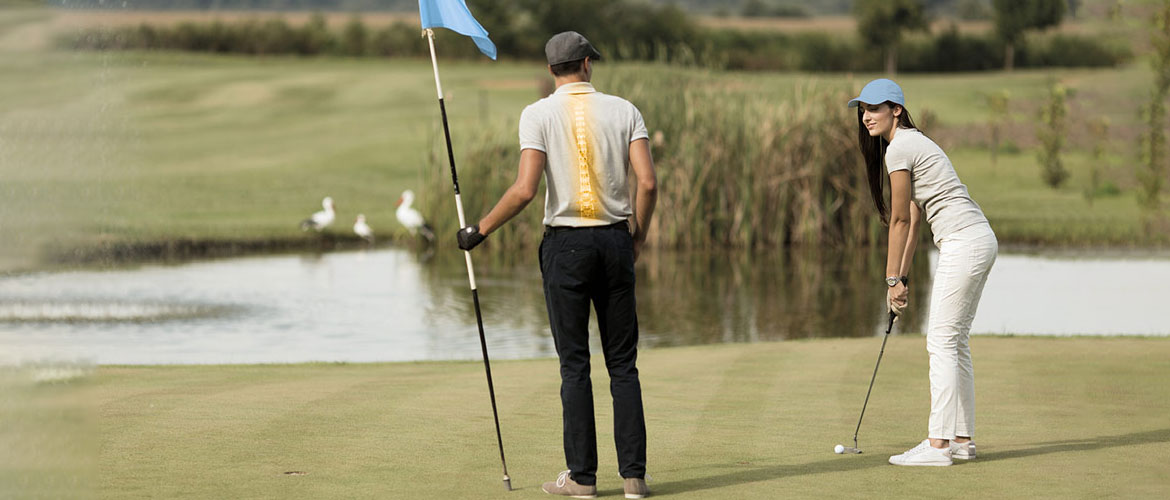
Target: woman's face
<point x="880" y="119"/>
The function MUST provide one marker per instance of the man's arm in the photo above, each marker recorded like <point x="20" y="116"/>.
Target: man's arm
<point x="519" y="194"/>
<point x="647" y="191"/>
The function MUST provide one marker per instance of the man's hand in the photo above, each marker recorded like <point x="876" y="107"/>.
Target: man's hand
<point x="469" y="237"/>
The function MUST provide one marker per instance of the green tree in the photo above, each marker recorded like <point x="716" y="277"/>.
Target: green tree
<point x="1051" y="133"/>
<point x="1014" y="17"/>
<point x="973" y="10"/>
<point x="355" y="38"/>
<point x="1113" y="12"/>
<point x="316" y="35"/>
<point x="1152" y="169"/>
<point x="754" y="8"/>
<point x="1099" y="135"/>
<point x="998" y="119"/>
<point x="619" y="29"/>
<point x="881" y="23"/>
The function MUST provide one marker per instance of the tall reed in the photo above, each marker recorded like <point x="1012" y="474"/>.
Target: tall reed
<point x="738" y="167"/>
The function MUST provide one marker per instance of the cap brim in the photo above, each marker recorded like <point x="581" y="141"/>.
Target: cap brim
<point x="853" y="103"/>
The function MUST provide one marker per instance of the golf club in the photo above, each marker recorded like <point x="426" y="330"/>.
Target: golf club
<point x="467" y="257"/>
<point x="855" y="449"/>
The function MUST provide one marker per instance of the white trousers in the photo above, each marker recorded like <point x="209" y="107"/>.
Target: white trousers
<point x="964" y="261"/>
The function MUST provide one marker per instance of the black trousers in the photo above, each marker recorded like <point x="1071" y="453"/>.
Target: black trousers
<point x="581" y="266"/>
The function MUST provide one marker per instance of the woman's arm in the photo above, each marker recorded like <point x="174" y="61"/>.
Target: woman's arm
<point x="899" y="221"/>
<point x="911" y="239"/>
<point x="899" y="234"/>
<point x="901" y="292"/>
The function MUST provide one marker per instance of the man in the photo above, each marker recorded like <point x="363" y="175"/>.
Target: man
<point x="586" y="141"/>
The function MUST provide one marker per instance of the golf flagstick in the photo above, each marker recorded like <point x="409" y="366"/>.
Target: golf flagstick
<point x="487" y="366"/>
<point x="855" y="448"/>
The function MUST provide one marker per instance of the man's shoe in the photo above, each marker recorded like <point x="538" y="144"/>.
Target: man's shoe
<point x="924" y="454"/>
<point x="963" y="451"/>
<point x="636" y="488"/>
<point x="566" y="486"/>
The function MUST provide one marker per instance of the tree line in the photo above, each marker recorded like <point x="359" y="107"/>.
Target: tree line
<point x="882" y="23"/>
<point x="626" y="30"/>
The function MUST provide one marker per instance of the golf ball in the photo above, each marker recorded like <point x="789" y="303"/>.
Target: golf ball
<point x="838" y="449"/>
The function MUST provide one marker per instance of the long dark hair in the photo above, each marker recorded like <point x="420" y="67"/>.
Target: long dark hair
<point x="873" y="149"/>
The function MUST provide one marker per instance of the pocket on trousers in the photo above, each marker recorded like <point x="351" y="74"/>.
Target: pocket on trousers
<point x="571" y="267"/>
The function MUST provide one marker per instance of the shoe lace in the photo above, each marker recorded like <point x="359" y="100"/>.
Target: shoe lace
<point x="919" y="449"/>
<point x="562" y="478"/>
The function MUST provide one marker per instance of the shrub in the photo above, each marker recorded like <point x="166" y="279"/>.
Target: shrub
<point x="354" y="39"/>
<point x="620" y="29"/>
<point x="1051" y="133"/>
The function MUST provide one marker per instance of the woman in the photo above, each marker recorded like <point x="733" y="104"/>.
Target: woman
<point x="923" y="179"/>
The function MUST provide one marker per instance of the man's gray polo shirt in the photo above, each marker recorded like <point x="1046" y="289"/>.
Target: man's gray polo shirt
<point x="586" y="136"/>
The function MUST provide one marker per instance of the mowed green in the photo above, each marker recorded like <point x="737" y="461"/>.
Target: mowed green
<point x="1066" y="417"/>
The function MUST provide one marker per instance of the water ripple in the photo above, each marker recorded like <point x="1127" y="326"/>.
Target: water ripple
<point x="100" y="311"/>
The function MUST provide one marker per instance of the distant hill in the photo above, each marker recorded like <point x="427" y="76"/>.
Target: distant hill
<point x="733" y="7"/>
<point x="819" y="7"/>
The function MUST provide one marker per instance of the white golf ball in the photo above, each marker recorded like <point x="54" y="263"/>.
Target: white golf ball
<point x="838" y="449"/>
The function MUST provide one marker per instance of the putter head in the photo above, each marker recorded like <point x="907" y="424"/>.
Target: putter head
<point x="849" y="449"/>
<point x="508" y="483"/>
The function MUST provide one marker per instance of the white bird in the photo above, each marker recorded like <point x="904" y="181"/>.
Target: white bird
<point x="321" y="218"/>
<point x="413" y="220"/>
<point x="362" y="229"/>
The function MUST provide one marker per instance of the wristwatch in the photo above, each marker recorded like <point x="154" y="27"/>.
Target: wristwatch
<point x="892" y="281"/>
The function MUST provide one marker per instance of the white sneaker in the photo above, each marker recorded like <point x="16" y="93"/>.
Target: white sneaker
<point x="924" y="454"/>
<point x="963" y="451"/>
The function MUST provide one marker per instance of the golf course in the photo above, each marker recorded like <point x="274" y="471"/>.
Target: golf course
<point x="1068" y="418"/>
<point x="119" y="161"/>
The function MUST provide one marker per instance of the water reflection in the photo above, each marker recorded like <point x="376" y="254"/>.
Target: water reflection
<point x="386" y="306"/>
<point x="693" y="298"/>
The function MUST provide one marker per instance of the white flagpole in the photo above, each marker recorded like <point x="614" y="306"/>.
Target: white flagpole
<point x="467" y="254"/>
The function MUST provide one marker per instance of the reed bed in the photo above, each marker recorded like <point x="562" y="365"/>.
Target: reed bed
<point x="737" y="168"/>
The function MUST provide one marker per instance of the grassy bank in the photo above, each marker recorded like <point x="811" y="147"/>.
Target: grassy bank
<point x="161" y="147"/>
<point x="139" y="151"/>
<point x="1072" y="418"/>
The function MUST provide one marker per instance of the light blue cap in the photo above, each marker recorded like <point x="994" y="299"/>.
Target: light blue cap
<point x="879" y="91"/>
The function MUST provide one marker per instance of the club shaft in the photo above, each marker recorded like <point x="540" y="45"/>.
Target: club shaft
<point x="872" y="378"/>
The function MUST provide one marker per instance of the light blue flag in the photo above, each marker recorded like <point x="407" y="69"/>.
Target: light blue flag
<point x="453" y="15"/>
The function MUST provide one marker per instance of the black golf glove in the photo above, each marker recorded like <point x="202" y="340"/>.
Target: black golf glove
<point x="469" y="237"/>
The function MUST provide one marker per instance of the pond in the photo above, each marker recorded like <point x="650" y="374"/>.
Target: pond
<point x="393" y="305"/>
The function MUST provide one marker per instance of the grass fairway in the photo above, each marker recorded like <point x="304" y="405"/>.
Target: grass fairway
<point x="1069" y="418"/>
<point x="126" y="147"/>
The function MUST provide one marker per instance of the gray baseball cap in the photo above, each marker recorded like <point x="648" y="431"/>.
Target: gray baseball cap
<point x="569" y="46"/>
